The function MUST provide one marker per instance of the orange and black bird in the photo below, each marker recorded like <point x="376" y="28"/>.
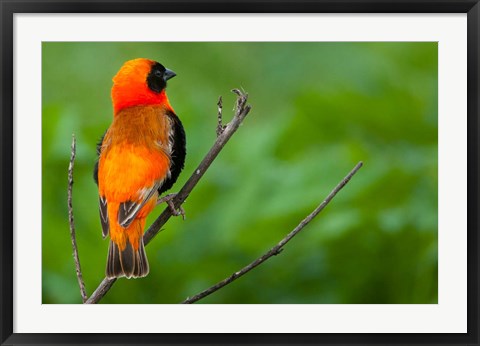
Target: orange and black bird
<point x="139" y="157"/>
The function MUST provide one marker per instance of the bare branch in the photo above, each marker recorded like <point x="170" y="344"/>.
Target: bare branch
<point x="220" y="126"/>
<point x="277" y="248"/>
<point x="241" y="111"/>
<point x="72" y="223"/>
<point x="101" y="290"/>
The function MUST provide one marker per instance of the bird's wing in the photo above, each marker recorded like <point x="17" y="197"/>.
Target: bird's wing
<point x="104" y="216"/>
<point x="129" y="209"/>
<point x="102" y="200"/>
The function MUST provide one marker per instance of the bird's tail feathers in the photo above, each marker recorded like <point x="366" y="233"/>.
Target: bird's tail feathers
<point x="128" y="262"/>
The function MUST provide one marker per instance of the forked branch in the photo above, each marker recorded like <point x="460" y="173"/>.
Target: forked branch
<point x="224" y="133"/>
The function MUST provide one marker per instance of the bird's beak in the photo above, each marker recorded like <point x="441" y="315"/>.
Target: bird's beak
<point x="168" y="74"/>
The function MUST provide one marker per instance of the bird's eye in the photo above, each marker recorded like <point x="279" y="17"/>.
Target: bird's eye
<point x="158" y="73"/>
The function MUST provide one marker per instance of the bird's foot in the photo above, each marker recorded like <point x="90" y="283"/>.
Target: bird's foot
<point x="168" y="199"/>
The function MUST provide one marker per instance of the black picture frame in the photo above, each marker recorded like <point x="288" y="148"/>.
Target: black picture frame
<point x="9" y="8"/>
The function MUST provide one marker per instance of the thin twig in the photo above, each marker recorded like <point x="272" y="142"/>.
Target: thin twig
<point x="277" y="248"/>
<point x="241" y="111"/>
<point x="72" y="223"/>
<point x="220" y="126"/>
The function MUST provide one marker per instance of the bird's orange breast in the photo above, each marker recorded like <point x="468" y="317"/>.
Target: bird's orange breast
<point x="135" y="153"/>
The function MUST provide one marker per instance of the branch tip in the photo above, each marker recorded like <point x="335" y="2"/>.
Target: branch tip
<point x="220" y="126"/>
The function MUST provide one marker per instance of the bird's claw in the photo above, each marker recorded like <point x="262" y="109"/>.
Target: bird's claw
<point x="177" y="212"/>
<point x="168" y="199"/>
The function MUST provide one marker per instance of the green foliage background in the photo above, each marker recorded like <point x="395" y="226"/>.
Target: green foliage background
<point x="318" y="109"/>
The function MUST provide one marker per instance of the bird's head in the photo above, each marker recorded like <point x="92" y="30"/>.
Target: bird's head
<point x="140" y="82"/>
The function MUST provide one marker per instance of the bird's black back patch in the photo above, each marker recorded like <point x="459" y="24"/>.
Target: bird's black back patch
<point x="179" y="151"/>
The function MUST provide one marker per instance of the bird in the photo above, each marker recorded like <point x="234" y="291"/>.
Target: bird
<point x="140" y="156"/>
